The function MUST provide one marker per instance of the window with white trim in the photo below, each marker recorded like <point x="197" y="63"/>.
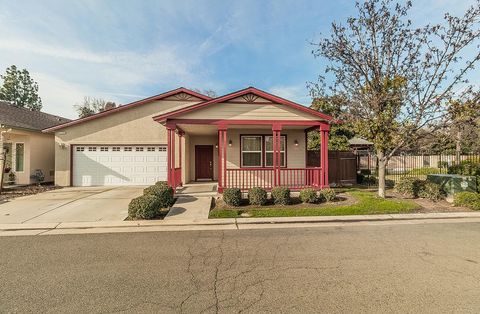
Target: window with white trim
<point x="162" y="149"/>
<point x="19" y="156"/>
<point x="127" y="149"/>
<point x="115" y="149"/>
<point x="269" y="151"/>
<point x="139" y="149"/>
<point x="251" y="150"/>
<point x="92" y="149"/>
<point x="104" y="149"/>
<point x="80" y="149"/>
<point x="150" y="149"/>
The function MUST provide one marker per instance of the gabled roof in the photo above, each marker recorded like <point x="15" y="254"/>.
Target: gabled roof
<point x="248" y="90"/>
<point x="359" y="141"/>
<point x="22" y="118"/>
<point x="173" y="92"/>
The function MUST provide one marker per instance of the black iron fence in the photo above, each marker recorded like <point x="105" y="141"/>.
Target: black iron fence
<point x="414" y="164"/>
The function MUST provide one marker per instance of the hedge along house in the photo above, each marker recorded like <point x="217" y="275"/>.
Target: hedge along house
<point x="243" y="139"/>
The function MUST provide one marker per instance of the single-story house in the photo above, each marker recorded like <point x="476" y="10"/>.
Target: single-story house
<point x="28" y="150"/>
<point x="243" y="139"/>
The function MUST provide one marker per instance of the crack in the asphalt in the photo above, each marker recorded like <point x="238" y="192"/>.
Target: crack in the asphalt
<point x="192" y="275"/>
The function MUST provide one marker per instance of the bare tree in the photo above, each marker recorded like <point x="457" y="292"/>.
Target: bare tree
<point x="92" y="105"/>
<point x="399" y="78"/>
<point x="464" y="120"/>
<point x="207" y="92"/>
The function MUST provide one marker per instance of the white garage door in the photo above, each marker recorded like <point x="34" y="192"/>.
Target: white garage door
<point x="119" y="165"/>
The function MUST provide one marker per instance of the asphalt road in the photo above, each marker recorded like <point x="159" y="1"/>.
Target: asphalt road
<point x="427" y="268"/>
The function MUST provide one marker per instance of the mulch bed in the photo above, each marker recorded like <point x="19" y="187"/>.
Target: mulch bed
<point x="342" y="199"/>
<point x="11" y="193"/>
<point x="428" y="206"/>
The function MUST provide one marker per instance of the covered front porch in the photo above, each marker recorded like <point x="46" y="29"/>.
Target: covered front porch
<point x="245" y="154"/>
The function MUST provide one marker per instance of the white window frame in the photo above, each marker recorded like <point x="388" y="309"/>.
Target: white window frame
<point x="284" y="151"/>
<point x="251" y="151"/>
<point x="14" y="157"/>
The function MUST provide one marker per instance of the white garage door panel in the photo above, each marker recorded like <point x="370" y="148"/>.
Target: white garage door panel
<point x="114" y="165"/>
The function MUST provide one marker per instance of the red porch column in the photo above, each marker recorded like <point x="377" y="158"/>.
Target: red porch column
<point x="180" y="138"/>
<point x="171" y="155"/>
<point x="324" y="130"/>
<point x="222" y="158"/>
<point x="276" y="129"/>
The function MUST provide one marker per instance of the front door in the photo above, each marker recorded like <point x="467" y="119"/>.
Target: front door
<point x="203" y="162"/>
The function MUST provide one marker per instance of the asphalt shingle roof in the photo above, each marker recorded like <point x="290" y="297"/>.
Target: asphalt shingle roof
<point x="15" y="117"/>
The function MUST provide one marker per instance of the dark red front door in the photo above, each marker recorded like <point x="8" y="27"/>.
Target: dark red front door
<point x="203" y="162"/>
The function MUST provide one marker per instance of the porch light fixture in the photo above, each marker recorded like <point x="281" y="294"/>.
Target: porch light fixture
<point x="230" y="143"/>
<point x="216" y="145"/>
<point x="295" y="143"/>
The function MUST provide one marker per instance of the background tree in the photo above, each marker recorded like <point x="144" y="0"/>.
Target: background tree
<point x="92" y="105"/>
<point x="339" y="133"/>
<point x="207" y="92"/>
<point x="398" y="79"/>
<point x="464" y="118"/>
<point x="20" y="89"/>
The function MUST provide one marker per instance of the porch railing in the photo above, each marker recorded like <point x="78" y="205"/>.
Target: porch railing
<point x="293" y="178"/>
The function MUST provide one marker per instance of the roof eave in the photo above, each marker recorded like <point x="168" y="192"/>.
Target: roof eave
<point x="260" y="93"/>
<point x="127" y="106"/>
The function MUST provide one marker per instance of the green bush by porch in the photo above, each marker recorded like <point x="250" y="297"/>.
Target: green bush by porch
<point x="367" y="204"/>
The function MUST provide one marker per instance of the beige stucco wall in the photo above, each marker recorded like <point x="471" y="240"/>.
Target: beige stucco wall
<point x="239" y="111"/>
<point x="38" y="154"/>
<point x="130" y="126"/>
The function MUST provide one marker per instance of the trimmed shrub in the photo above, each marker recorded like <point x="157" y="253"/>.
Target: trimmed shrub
<point x="408" y="186"/>
<point x="281" y="195"/>
<point x="144" y="207"/>
<point x="430" y="190"/>
<point x="308" y="196"/>
<point x="161" y="183"/>
<point x="232" y="196"/>
<point x="163" y="192"/>
<point x="466" y="168"/>
<point x="257" y="196"/>
<point x="467" y="199"/>
<point x="328" y="195"/>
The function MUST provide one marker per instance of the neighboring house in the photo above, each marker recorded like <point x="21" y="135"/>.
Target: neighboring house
<point x="27" y="148"/>
<point x="243" y="139"/>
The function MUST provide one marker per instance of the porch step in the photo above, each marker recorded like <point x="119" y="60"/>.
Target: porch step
<point x="190" y="208"/>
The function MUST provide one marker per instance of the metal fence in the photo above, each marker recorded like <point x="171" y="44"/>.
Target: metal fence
<point x="413" y="164"/>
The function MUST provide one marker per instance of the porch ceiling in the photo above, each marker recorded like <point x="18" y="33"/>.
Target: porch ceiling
<point x="208" y="129"/>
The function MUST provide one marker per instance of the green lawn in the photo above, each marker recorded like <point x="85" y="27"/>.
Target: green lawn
<point x="368" y="204"/>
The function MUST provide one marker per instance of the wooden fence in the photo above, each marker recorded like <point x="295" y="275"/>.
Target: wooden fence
<point x="342" y="166"/>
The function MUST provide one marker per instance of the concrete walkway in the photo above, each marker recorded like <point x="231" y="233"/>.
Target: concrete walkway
<point x="193" y="204"/>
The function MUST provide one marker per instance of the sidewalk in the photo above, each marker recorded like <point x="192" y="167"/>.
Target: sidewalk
<point x="228" y="223"/>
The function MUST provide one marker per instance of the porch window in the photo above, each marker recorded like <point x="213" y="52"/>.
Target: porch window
<point x="19" y="156"/>
<point x="269" y="151"/>
<point x="251" y="150"/>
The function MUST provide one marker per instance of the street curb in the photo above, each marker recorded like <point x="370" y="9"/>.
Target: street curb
<point x="236" y="221"/>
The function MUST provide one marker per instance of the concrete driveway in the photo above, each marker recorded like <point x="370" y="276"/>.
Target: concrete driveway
<point x="75" y="204"/>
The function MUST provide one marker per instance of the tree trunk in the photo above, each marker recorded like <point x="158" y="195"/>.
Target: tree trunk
<point x="458" y="146"/>
<point x="382" y="165"/>
<point x="2" y="160"/>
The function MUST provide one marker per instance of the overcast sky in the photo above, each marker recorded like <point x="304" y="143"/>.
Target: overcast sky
<point x="127" y="50"/>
